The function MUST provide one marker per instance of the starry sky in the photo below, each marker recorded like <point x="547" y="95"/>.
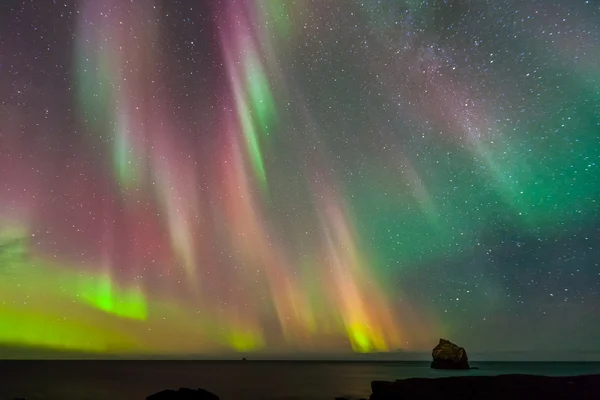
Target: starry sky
<point x="301" y="176"/>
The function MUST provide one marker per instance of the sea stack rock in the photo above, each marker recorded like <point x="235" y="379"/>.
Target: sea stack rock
<point x="447" y="355"/>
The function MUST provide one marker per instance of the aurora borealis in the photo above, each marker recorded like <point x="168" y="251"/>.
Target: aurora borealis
<point x="331" y="176"/>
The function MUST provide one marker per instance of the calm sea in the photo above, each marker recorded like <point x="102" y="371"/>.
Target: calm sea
<point x="131" y="380"/>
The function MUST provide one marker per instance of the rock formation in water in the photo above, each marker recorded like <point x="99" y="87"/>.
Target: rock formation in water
<point x="513" y="387"/>
<point x="447" y="355"/>
<point x="346" y="398"/>
<point x="183" y="394"/>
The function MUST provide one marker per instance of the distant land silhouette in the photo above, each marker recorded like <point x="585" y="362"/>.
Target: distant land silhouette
<point x="30" y="353"/>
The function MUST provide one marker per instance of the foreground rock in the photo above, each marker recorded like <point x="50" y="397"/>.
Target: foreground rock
<point x="513" y="387"/>
<point x="447" y="355"/>
<point x="183" y="394"/>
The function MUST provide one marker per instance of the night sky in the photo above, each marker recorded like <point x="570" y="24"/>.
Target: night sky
<point x="327" y="176"/>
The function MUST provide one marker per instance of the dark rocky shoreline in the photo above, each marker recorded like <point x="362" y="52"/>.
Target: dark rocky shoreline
<point x="512" y="387"/>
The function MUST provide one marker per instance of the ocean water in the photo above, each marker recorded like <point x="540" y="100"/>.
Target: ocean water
<point x="252" y="380"/>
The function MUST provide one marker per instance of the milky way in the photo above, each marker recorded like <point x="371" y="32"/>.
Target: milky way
<point x="202" y="177"/>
